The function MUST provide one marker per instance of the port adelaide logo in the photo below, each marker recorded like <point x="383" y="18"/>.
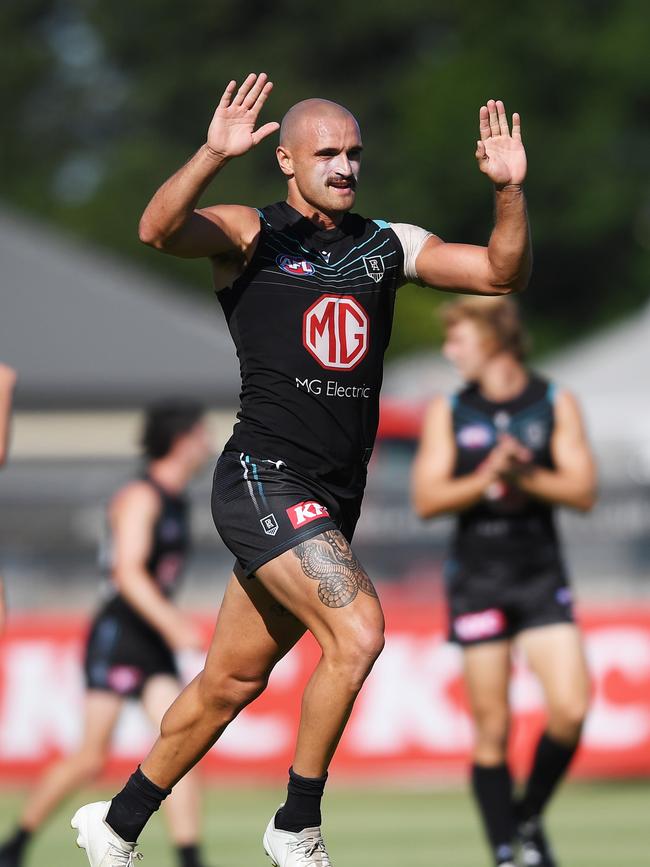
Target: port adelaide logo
<point x="374" y="267"/>
<point x="269" y="524"/>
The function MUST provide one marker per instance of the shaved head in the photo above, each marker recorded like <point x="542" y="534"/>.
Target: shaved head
<point x="320" y="155"/>
<point x="306" y="116"/>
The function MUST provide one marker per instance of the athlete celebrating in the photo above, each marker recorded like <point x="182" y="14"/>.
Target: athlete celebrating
<point x="130" y="648"/>
<point x="308" y="290"/>
<point x="502" y="454"/>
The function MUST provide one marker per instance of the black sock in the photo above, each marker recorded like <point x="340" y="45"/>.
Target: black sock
<point x="15" y="845"/>
<point x="133" y="807"/>
<point x="492" y="787"/>
<point x="302" y="807"/>
<point x="188" y="856"/>
<point x="551" y="762"/>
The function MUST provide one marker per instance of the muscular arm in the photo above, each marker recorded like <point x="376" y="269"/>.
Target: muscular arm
<point x="500" y="268"/>
<point x="172" y="224"/>
<point x="573" y="481"/>
<point x="171" y="221"/>
<point x="435" y="491"/>
<point x="7" y="383"/>
<point x="133" y="516"/>
<point x="504" y="265"/>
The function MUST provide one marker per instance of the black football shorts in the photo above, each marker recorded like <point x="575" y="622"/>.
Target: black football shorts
<point x="123" y="651"/>
<point x="262" y="508"/>
<point x="492" y="598"/>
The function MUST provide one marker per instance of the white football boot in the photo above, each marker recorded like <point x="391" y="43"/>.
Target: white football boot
<point x="103" y="847"/>
<point x="302" y="849"/>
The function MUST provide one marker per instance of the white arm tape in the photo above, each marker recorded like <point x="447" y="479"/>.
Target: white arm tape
<point x="412" y="239"/>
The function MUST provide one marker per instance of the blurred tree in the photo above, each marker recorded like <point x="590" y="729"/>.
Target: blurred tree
<point x="103" y="101"/>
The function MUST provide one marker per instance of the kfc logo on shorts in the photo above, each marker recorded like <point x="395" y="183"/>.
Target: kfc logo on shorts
<point x="336" y="332"/>
<point x="304" y="513"/>
<point x="480" y="624"/>
<point x="295" y="265"/>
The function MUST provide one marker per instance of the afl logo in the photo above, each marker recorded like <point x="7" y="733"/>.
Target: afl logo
<point x="336" y="332"/>
<point x="475" y="436"/>
<point x="295" y="265"/>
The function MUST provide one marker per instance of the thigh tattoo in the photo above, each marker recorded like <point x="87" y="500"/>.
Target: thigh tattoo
<point x="329" y="560"/>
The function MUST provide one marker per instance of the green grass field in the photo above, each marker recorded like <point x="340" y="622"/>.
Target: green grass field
<point x="597" y="825"/>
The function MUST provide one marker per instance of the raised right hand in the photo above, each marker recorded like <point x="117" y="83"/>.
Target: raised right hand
<point x="232" y="131"/>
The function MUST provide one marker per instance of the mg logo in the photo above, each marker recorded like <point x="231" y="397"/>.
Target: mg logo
<point x="336" y="332"/>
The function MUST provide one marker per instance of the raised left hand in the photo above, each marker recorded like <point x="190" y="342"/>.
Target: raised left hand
<point x="500" y="154"/>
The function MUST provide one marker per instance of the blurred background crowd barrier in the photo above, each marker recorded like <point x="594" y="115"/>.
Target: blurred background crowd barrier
<point x="410" y="723"/>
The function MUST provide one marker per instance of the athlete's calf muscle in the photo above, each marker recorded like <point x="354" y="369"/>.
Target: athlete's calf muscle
<point x="329" y="560"/>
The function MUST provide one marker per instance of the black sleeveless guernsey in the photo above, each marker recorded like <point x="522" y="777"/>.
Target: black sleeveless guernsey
<point x="170" y="542"/>
<point x="506" y="572"/>
<point x="123" y="651"/>
<point x="505" y="516"/>
<point x="311" y="317"/>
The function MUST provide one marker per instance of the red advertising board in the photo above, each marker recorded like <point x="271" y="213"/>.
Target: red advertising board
<point x="410" y="720"/>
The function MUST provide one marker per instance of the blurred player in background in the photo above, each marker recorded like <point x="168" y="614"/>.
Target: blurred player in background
<point x="7" y="385"/>
<point x="502" y="454"/>
<point x="132" y="641"/>
<point x="308" y="291"/>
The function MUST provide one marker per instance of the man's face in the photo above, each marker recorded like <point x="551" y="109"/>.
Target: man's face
<point x="325" y="161"/>
<point x="468" y="349"/>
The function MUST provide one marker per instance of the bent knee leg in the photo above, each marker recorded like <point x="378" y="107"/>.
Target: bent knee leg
<point x="229" y="692"/>
<point x="492" y="726"/>
<point x="566" y="719"/>
<point x="354" y="652"/>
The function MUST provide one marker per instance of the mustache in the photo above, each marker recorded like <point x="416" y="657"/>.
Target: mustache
<point x="336" y="180"/>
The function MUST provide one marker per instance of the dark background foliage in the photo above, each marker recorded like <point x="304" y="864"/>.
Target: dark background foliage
<point x="102" y="101"/>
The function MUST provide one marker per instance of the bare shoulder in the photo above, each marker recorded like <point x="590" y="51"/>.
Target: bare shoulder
<point x="432" y="242"/>
<point x="437" y="421"/>
<point x="432" y="245"/>
<point x="567" y="404"/>
<point x="7" y="375"/>
<point x="569" y="417"/>
<point x="438" y="410"/>
<point x="239" y="222"/>
<point x="135" y="497"/>
<point x="242" y="225"/>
